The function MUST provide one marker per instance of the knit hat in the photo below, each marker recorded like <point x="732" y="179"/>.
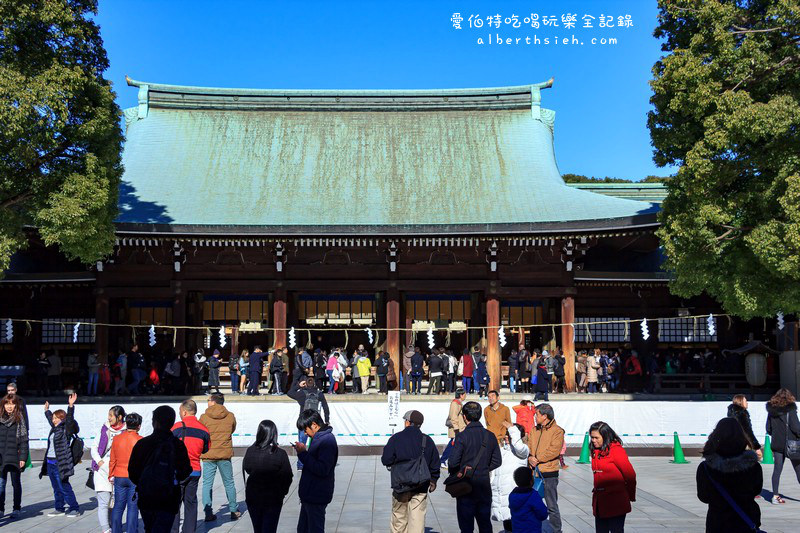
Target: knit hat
<point x="415" y="417"/>
<point x="216" y="352"/>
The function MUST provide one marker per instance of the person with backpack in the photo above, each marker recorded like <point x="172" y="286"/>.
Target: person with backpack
<point x="382" y="371"/>
<point x="269" y="476"/>
<point x="124" y="490"/>
<point x="309" y="397"/>
<point x="413" y="460"/>
<point x="13" y="448"/>
<point x="138" y="372"/>
<point x="319" y="473"/>
<point x="560" y="384"/>
<point x="158" y="464"/>
<point x="233" y="372"/>
<point x="197" y="439"/>
<point x="320" y="362"/>
<point x="101" y="452"/>
<point x="475" y="454"/>
<point x="221" y="424"/>
<point x="60" y="458"/>
<point x="513" y="371"/>
<point x="276" y="371"/>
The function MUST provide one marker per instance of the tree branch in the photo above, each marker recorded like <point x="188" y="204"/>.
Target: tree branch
<point x="740" y="29"/>
<point x="782" y="63"/>
<point x="17" y="198"/>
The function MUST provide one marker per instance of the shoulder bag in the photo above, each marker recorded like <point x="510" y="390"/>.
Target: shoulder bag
<point x="724" y="493"/>
<point x="460" y="484"/>
<point x="792" y="445"/>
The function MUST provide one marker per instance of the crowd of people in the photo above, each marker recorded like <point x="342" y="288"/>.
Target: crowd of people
<point x="500" y="464"/>
<point x="257" y="372"/>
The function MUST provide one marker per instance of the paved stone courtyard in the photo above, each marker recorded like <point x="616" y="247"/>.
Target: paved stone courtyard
<point x="666" y="501"/>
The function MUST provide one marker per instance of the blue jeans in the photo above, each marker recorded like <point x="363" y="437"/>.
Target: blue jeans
<point x="331" y="383"/>
<point x="400" y="376"/>
<point x="62" y="490"/>
<point x="234" y="382"/>
<point x="301" y="437"/>
<point x="447" y="450"/>
<point x="416" y="383"/>
<point x="124" y="497"/>
<point x="91" y="388"/>
<point x="312" y="518"/>
<point x="471" y="509"/>
<point x="138" y="375"/>
<point x="466" y="384"/>
<point x="226" y="472"/>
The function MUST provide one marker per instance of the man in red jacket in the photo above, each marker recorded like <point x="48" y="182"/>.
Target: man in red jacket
<point x="197" y="440"/>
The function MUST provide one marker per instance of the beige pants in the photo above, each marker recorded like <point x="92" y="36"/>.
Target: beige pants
<point x="408" y="513"/>
<point x="364" y="383"/>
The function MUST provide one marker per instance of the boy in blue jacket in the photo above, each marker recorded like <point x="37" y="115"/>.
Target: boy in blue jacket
<point x="528" y="511"/>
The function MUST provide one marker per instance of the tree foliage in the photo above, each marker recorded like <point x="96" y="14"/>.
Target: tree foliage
<point x="726" y="111"/>
<point x="60" y="138"/>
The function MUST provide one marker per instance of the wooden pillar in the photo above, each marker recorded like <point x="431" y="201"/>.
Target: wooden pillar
<point x="493" y="342"/>
<point x="567" y="340"/>
<point x="393" y="334"/>
<point x="279" y="319"/>
<point x="102" y="315"/>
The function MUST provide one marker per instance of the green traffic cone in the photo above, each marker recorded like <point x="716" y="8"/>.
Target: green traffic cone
<point x="767" y="459"/>
<point x="585" y="458"/>
<point x="677" y="452"/>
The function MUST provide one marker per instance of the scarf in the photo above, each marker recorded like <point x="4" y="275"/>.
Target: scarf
<point x="22" y="431"/>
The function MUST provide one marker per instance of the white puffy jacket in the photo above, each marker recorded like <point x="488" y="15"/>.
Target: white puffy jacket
<point x="101" y="482"/>
<point x="514" y="456"/>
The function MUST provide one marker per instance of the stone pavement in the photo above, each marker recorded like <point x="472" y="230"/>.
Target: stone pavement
<point x="666" y="501"/>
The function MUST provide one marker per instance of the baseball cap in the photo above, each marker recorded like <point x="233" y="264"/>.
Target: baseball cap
<point x="415" y="417"/>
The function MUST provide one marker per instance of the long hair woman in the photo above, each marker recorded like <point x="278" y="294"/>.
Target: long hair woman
<point x="13" y="450"/>
<point x="244" y="369"/>
<point x="270" y="476"/>
<point x="614" y="480"/>
<point x="729" y="470"/>
<point x="738" y="410"/>
<point x="782" y="424"/>
<point x="101" y="454"/>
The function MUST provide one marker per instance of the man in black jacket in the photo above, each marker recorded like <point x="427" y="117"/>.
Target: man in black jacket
<point x="254" y="371"/>
<point x="435" y="368"/>
<point x="477" y="505"/>
<point x="309" y="396"/>
<point x="150" y="458"/>
<point x="400" y="455"/>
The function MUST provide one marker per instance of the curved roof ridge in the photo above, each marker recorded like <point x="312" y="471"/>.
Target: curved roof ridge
<point x="464" y="91"/>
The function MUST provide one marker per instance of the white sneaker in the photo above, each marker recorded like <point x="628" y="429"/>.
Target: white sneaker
<point x="56" y="513"/>
<point x="72" y="514"/>
<point x="777" y="500"/>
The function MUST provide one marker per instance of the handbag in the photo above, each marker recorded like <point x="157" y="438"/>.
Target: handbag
<point x="90" y="479"/>
<point x="538" y="481"/>
<point x="792" y="445"/>
<point x="724" y="493"/>
<point x="459" y="484"/>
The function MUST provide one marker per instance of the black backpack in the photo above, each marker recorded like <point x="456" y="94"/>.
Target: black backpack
<point x="76" y="449"/>
<point x="275" y="365"/>
<point x="158" y="478"/>
<point x="312" y="400"/>
<point x="411" y="474"/>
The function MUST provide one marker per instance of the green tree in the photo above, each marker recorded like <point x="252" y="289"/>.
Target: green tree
<point x="726" y="111"/>
<point x="60" y="137"/>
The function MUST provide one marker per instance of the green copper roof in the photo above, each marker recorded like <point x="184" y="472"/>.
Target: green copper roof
<point x="380" y="161"/>
<point x="645" y="192"/>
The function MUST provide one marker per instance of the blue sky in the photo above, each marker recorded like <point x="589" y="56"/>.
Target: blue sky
<point x="601" y="93"/>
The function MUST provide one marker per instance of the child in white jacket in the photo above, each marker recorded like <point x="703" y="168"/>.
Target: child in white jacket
<point x="514" y="453"/>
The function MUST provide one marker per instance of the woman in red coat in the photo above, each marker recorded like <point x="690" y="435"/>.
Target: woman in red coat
<point x="614" y="480"/>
